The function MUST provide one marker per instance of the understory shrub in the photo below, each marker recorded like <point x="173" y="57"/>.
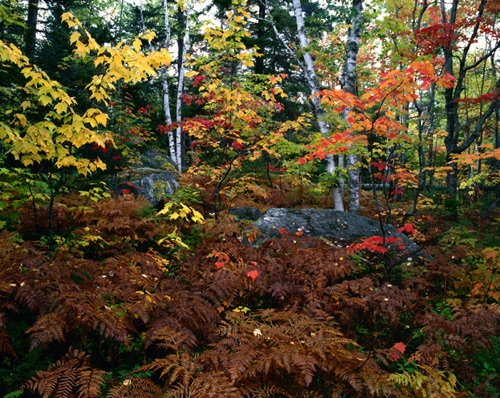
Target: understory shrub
<point x="125" y="308"/>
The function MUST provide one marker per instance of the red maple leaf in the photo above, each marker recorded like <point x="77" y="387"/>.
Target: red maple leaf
<point x="401" y="347"/>
<point x="408" y="228"/>
<point x="396" y="351"/>
<point x="253" y="274"/>
<point x="379" y="165"/>
<point x="236" y="145"/>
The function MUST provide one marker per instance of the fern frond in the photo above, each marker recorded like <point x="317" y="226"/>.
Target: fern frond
<point x="44" y="383"/>
<point x="89" y="383"/>
<point x="169" y="337"/>
<point x="6" y="347"/>
<point x="238" y="365"/>
<point x="31" y="297"/>
<point x="68" y="376"/>
<point x="428" y="382"/>
<point x="113" y="327"/>
<point x="222" y="285"/>
<point x="213" y="385"/>
<point x="209" y="385"/>
<point x="135" y="387"/>
<point x="175" y="368"/>
<point x="47" y="329"/>
<point x="266" y="391"/>
<point x="67" y="382"/>
<point x="193" y="312"/>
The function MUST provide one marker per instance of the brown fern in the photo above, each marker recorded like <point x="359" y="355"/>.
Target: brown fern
<point x="209" y="385"/>
<point x="175" y="369"/>
<point x="68" y="376"/>
<point x="47" y="329"/>
<point x="284" y="348"/>
<point x="135" y="387"/>
<point x="6" y="347"/>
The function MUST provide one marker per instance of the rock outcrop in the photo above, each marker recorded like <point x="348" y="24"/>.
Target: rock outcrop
<point x="153" y="177"/>
<point x="337" y="226"/>
<point x="246" y="213"/>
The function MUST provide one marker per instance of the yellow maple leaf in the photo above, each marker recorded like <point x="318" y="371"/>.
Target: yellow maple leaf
<point x="101" y="118"/>
<point x="75" y="36"/>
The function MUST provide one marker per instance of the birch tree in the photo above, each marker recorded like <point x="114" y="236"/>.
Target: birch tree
<point x="180" y="86"/>
<point x="175" y="138"/>
<point x="306" y="64"/>
<point x="349" y="84"/>
<point x="166" y="88"/>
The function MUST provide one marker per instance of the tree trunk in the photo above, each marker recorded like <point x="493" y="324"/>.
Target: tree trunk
<point x="312" y="81"/>
<point x="31" y="23"/>
<point x="307" y="67"/>
<point x="349" y="84"/>
<point x="309" y="72"/>
<point x="166" y="91"/>
<point x="259" y="61"/>
<point x="452" y="95"/>
<point x="180" y="86"/>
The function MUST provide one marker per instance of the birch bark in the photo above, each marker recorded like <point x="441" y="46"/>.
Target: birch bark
<point x="166" y="88"/>
<point x="349" y="80"/>
<point x="312" y="81"/>
<point x="180" y="86"/>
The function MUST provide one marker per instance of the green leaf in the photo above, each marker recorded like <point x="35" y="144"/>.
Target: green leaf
<point x="13" y="394"/>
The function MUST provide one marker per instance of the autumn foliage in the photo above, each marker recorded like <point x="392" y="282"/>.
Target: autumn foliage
<point x="125" y="309"/>
<point x="104" y="295"/>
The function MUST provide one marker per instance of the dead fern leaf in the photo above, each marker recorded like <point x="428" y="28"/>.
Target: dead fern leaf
<point x="47" y="329"/>
<point x="68" y="376"/>
<point x="135" y="387"/>
<point x="175" y="369"/>
<point x="89" y="383"/>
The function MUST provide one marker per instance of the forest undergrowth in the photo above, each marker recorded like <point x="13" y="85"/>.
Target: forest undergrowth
<point x="135" y="303"/>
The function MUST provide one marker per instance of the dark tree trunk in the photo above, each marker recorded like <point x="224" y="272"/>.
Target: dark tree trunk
<point x="454" y="143"/>
<point x="30" y="36"/>
<point x="259" y="61"/>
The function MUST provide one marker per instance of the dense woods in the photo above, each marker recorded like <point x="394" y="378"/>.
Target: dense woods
<point x="388" y="109"/>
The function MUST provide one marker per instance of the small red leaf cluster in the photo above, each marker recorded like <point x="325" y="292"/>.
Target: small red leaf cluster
<point x="378" y="244"/>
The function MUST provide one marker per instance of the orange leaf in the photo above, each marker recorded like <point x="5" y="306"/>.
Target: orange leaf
<point x="253" y="274"/>
<point x="401" y="347"/>
<point x="408" y="228"/>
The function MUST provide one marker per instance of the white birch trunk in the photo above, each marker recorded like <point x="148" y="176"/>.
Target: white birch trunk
<point x="309" y="71"/>
<point x="180" y="87"/>
<point x="166" y="97"/>
<point x="349" y="78"/>
<point x="312" y="81"/>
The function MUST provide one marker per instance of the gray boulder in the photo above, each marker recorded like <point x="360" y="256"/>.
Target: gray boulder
<point x="337" y="226"/>
<point x="246" y="213"/>
<point x="156" y="159"/>
<point x="153" y="177"/>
